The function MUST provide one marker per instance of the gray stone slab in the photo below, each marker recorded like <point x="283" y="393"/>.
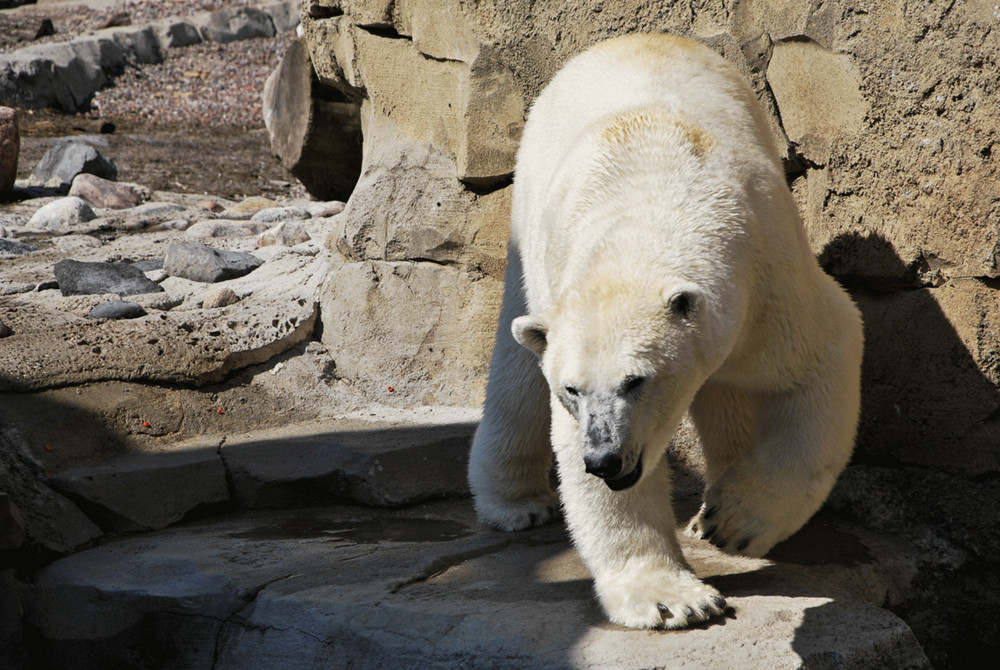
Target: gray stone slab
<point x="383" y="465"/>
<point x="425" y="587"/>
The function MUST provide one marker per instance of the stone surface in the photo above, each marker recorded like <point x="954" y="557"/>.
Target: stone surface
<point x="10" y="148"/>
<point x="221" y="228"/>
<point x="144" y="491"/>
<point x="285" y="234"/>
<point x="235" y="23"/>
<point x="116" y="309"/>
<point x="105" y="193"/>
<point x="76" y="278"/>
<point x="10" y="248"/>
<point x="198" y="262"/>
<point x="314" y="130"/>
<point x="278" y="214"/>
<point x="64" y="161"/>
<point x="380" y="465"/>
<point x="62" y="214"/>
<point x="336" y="586"/>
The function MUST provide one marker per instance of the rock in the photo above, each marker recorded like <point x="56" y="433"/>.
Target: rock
<point x="224" y="228"/>
<point x="5" y="330"/>
<point x="285" y="234"/>
<point x="325" y="209"/>
<point x="64" y="161"/>
<point x="156" y="275"/>
<point x="247" y="208"/>
<point x="65" y="75"/>
<point x="235" y="23"/>
<point x="331" y="587"/>
<point x="51" y="522"/>
<point x="202" y="263"/>
<point x="222" y="297"/>
<point x="315" y="130"/>
<point x="278" y="214"/>
<point x="80" y="278"/>
<point x="11" y="248"/>
<point x="10" y="148"/>
<point x="12" y="651"/>
<point x="62" y="214"/>
<point x="70" y="244"/>
<point x="368" y="462"/>
<point x="178" y="33"/>
<point x="154" y="210"/>
<point x="144" y="491"/>
<point x="11" y="524"/>
<point x="284" y="15"/>
<point x="103" y="193"/>
<point x="211" y="205"/>
<point x="116" y="309"/>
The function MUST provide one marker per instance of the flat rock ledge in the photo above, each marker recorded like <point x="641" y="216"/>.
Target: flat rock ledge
<point x="346" y="586"/>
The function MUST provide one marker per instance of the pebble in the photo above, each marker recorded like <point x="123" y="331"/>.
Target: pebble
<point x="223" y="228"/>
<point x="222" y="297"/>
<point x="286" y="234"/>
<point x="116" y="309"/>
<point x="105" y="193"/>
<point x="61" y="214"/>
<point x="67" y="159"/>
<point x="198" y="262"/>
<point x="278" y="214"/>
<point x="73" y="243"/>
<point x="325" y="209"/>
<point x="248" y="207"/>
<point x="81" y="278"/>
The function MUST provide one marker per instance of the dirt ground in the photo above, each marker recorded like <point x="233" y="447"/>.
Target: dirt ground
<point x="226" y="162"/>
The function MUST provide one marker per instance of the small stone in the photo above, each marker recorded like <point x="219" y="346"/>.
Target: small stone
<point x="10" y="148"/>
<point x="176" y="224"/>
<point x="285" y="234"/>
<point x="69" y="244"/>
<point x="11" y="248"/>
<point x="199" y="262"/>
<point x="116" y="309"/>
<point x="157" y="275"/>
<point x="277" y="214"/>
<point x="223" y="228"/>
<point x="100" y="192"/>
<point x="61" y="214"/>
<point x="79" y="278"/>
<point x="211" y="206"/>
<point x="325" y="209"/>
<point x="222" y="297"/>
<point x="248" y="207"/>
<point x="63" y="162"/>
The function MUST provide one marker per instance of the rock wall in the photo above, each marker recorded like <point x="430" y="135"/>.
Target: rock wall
<point x="885" y="114"/>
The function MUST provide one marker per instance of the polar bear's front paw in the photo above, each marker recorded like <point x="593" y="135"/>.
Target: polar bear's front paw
<point x="733" y="528"/>
<point x="519" y="514"/>
<point x="659" y="599"/>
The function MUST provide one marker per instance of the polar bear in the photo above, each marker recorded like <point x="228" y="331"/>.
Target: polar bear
<point x="665" y="269"/>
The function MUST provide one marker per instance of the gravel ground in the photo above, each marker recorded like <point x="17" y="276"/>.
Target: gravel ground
<point x="192" y="123"/>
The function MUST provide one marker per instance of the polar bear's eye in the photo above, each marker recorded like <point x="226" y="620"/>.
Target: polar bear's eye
<point x="571" y="391"/>
<point x="632" y="383"/>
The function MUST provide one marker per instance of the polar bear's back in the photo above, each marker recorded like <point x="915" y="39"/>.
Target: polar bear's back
<point x="673" y="74"/>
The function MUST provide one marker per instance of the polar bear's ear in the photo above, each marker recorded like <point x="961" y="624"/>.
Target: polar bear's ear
<point x="683" y="300"/>
<point x="531" y="331"/>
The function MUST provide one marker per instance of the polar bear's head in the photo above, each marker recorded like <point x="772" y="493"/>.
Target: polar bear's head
<point x="625" y="361"/>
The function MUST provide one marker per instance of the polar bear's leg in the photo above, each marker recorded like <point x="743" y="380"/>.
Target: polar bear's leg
<point x="511" y="452"/>
<point x="802" y="439"/>
<point x="723" y="417"/>
<point x="628" y="541"/>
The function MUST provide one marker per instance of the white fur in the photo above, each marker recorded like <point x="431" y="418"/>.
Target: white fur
<point x="665" y="269"/>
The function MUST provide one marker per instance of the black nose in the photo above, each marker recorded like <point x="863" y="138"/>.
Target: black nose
<point x="604" y="465"/>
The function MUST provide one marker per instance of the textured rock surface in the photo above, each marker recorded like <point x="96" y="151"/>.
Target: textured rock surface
<point x="10" y="148"/>
<point x="76" y="278"/>
<point x="63" y="162"/>
<point x="424" y="587"/>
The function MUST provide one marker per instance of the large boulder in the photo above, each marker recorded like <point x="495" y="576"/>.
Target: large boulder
<point x="10" y="148"/>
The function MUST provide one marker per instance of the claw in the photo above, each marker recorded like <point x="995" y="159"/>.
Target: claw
<point x="533" y="519"/>
<point x="719" y="541"/>
<point x="710" y="512"/>
<point x="743" y="545"/>
<point x="707" y="535"/>
<point x="719" y="602"/>
<point x="688" y="612"/>
<point x="664" y="611"/>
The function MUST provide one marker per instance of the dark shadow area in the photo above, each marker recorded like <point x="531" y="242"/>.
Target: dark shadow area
<point x="928" y="448"/>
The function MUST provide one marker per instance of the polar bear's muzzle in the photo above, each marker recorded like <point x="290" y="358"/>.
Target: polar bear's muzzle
<point x="603" y="439"/>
